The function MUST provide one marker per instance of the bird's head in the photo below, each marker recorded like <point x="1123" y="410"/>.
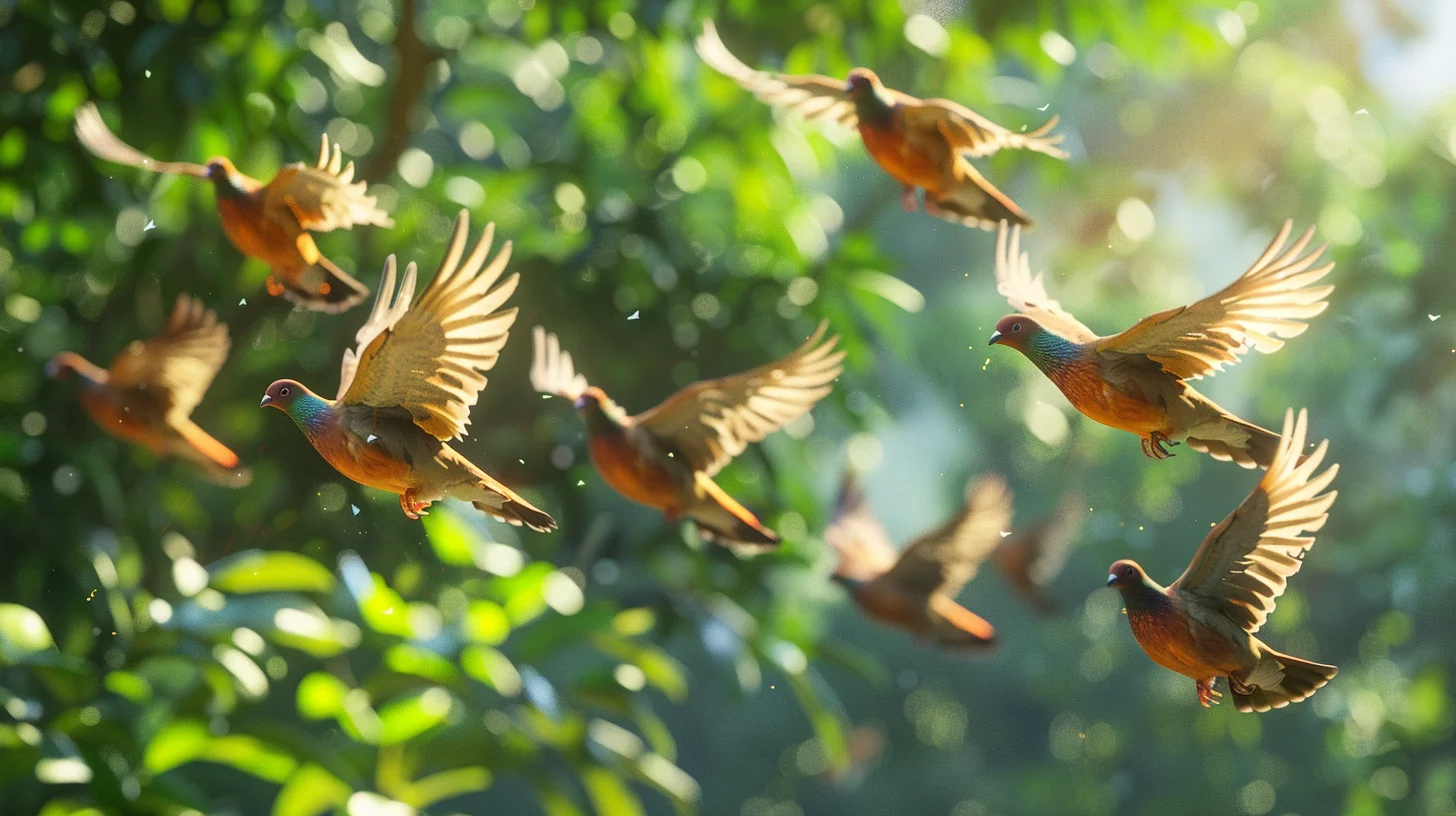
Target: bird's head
<point x="220" y="169"/>
<point x="282" y="394"/>
<point x="1015" y="331"/>
<point x="862" y="82"/>
<point x="591" y="398"/>
<point x="61" y="365"/>
<point x="1126" y="574"/>
<point x="849" y="584"/>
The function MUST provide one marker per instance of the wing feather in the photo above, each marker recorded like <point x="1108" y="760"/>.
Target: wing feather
<point x="181" y="361"/>
<point x="552" y="371"/>
<point x="971" y="133"/>
<point x="430" y="356"/>
<point x="1028" y="294"/>
<point x="712" y="421"/>
<point x="944" y="559"/>
<point x="1244" y="564"/>
<point x="859" y="539"/>
<point x="1271" y="300"/>
<point x="92" y="132"/>
<point x="323" y="196"/>
<point x="815" y="97"/>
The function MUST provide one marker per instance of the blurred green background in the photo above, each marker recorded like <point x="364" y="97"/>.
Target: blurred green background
<point x="168" y="646"/>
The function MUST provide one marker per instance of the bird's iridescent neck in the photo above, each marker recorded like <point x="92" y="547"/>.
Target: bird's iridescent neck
<point x="1051" y="352"/>
<point x="310" y="413"/>
<point x="1144" y="597"/>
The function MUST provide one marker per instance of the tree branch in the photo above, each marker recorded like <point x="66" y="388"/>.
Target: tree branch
<point x="412" y="58"/>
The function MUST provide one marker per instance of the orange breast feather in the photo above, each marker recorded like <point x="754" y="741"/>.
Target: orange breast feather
<point x="1191" y="650"/>
<point x="898" y="157"/>
<point x="630" y="474"/>
<point x="1123" y="408"/>
<point x="130" y="426"/>
<point x="256" y="236"/>
<point x="366" y="463"/>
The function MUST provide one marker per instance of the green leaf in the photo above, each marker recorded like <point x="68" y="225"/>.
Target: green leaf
<point x="321" y="695"/>
<point x="491" y="668"/>
<point x="311" y="791"/>
<point x="22" y="633"/>
<point x="269" y="571"/>
<point x="447" y="784"/>
<point x="609" y="794"/>
<point x="407" y="717"/>
<point x="486" y="622"/>
<point x="189" y="741"/>
<point x="177" y="744"/>
<point x="452" y="537"/>
<point x="661" y="670"/>
<point x="130" y="685"/>
<point x="406" y="658"/>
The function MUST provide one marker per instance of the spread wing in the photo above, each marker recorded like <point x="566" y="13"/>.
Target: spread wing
<point x="857" y="536"/>
<point x="1245" y="562"/>
<point x="429" y="356"/>
<point x="1046" y="545"/>
<point x="551" y="368"/>
<point x="712" y="421"/>
<point x="1271" y="300"/>
<point x="92" y="132"/>
<point x="971" y="133"/>
<point x="1027" y="294"/>
<point x="945" y="558"/>
<point x="324" y="196"/>
<point x="812" y="96"/>
<point x="181" y="361"/>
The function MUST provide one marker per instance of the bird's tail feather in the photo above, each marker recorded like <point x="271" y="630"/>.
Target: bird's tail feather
<point x="1256" y="449"/>
<point x="977" y="203"/>
<point x="216" y="461"/>
<point x="1298" y="680"/>
<point x="321" y="286"/>
<point x="722" y="520"/>
<point x="956" y="627"/>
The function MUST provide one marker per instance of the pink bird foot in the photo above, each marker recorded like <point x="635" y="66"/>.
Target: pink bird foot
<point x="910" y="200"/>
<point x="412" y="509"/>
<point x="1207" y="694"/>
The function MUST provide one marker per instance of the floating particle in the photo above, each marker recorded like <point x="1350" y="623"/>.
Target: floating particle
<point x="148" y="73"/>
<point x="1433" y="318"/>
<point x="1362" y="112"/>
<point x="355" y="508"/>
<point x="371" y="438"/>
<point x="243" y="302"/>
<point x="1044" y="107"/>
<point x="634" y="315"/>
<point x="580" y="483"/>
<point x="1004" y="533"/>
<point x="151" y="225"/>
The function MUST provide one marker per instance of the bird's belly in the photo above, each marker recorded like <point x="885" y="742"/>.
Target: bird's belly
<point x="256" y="236"/>
<point x="890" y="608"/>
<point x="1106" y="403"/>
<point x="894" y="153"/>
<point x="633" y="476"/>
<point x="1186" y="647"/>
<point x="126" y="425"/>
<point x="367" y="463"/>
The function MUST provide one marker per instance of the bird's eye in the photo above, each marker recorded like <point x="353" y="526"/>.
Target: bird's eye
<point x="283" y="392"/>
<point x="1016" y="327"/>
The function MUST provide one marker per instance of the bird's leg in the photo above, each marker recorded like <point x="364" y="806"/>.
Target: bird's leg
<point x="1153" y="446"/>
<point x="412" y="509"/>
<point x="910" y="200"/>
<point x="1238" y="686"/>
<point x="1207" y="694"/>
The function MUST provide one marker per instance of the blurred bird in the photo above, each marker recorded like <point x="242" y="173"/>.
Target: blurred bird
<point x="407" y="390"/>
<point x="916" y="590"/>
<point x="1203" y="626"/>
<point x="1032" y="558"/>
<point x="147" y="396"/>
<point x="1137" y="380"/>
<point x="667" y="456"/>
<point x="921" y="143"/>
<point x="272" y="222"/>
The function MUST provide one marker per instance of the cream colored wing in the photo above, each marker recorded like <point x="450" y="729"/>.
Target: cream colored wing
<point x="551" y="369"/>
<point x="1245" y="562"/>
<point x="92" y="132"/>
<point x="324" y="196"/>
<point x="973" y="134"/>
<point x="712" y="421"/>
<point x="429" y="356"/>
<point x="1027" y="294"/>
<point x="181" y="361"/>
<point x="858" y="538"/>
<point x="816" y="98"/>
<point x="945" y="558"/>
<point x="1269" y="301"/>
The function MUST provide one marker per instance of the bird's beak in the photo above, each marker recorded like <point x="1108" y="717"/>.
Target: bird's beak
<point x="1111" y="579"/>
<point x="267" y="401"/>
<point x="995" y="338"/>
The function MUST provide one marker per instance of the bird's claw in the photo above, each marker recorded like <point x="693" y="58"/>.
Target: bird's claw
<point x="1238" y="686"/>
<point x="412" y="509"/>
<point x="1207" y="694"/>
<point x="274" y="288"/>
<point x="909" y="200"/>
<point x="1155" y="446"/>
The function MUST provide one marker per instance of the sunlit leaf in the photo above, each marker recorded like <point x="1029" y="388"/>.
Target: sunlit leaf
<point x="269" y="571"/>
<point x="22" y="633"/>
<point x="409" y="716"/>
<point x="311" y="791"/>
<point x="609" y="794"/>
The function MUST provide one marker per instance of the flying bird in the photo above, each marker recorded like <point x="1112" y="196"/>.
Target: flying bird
<point x="1203" y="625"/>
<point x="147" y="396"/>
<point x="406" y="392"/>
<point x="1137" y="380"/>
<point x="921" y="143"/>
<point x="272" y="222"/>
<point x="915" y="590"/>
<point x="1031" y="559"/>
<point x="666" y="457"/>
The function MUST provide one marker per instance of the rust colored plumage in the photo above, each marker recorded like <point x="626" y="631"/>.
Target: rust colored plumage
<point x="1030" y="559"/>
<point x="666" y="457"/>
<point x="924" y="144"/>
<point x="147" y="396"/>
<point x="915" y="590"/>
<point x="1138" y="380"/>
<point x="1203" y="625"/>
<point x="272" y="222"/>
<point x="407" y="390"/>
